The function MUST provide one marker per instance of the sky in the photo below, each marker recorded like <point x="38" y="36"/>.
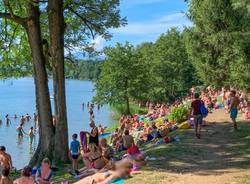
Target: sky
<point x="147" y="20"/>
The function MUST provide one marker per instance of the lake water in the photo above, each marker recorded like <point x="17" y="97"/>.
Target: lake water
<point x="17" y="96"/>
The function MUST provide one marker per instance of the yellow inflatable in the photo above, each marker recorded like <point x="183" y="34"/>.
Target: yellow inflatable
<point x="184" y="125"/>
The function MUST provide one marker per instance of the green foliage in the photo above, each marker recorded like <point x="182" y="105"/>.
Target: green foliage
<point x="218" y="43"/>
<point x="84" y="21"/>
<point x="83" y="69"/>
<point x="134" y="109"/>
<point x="178" y="114"/>
<point x="121" y="76"/>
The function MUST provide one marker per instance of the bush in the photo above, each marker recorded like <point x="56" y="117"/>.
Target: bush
<point x="178" y="114"/>
<point x="134" y="109"/>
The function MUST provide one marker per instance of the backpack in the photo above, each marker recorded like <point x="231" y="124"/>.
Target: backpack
<point x="203" y="110"/>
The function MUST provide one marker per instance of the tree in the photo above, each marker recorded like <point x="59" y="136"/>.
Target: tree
<point x="27" y="21"/>
<point x="117" y="83"/>
<point x="173" y="70"/>
<point x="215" y="42"/>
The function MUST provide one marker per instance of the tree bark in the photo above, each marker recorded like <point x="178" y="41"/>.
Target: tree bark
<point x="56" y="29"/>
<point x="46" y="133"/>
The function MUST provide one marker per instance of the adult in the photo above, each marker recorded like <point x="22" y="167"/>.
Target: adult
<point x="25" y="176"/>
<point x="196" y="113"/>
<point x="128" y="140"/>
<point x="44" y="173"/>
<point x="4" y="179"/>
<point x="93" y="134"/>
<point x="94" y="159"/>
<point x="107" y="150"/>
<point x="233" y="108"/>
<point x="5" y="159"/>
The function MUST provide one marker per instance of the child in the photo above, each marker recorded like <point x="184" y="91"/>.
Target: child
<point x="5" y="177"/>
<point x="74" y="152"/>
<point x="31" y="135"/>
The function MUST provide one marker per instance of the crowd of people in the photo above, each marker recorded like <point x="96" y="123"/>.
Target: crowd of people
<point x="107" y="159"/>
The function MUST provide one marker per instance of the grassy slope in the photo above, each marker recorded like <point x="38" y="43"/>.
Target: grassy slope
<point x="187" y="156"/>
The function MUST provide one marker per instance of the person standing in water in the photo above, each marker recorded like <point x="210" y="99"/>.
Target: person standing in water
<point x="20" y="130"/>
<point x="7" y="119"/>
<point x="31" y="135"/>
<point x="233" y="108"/>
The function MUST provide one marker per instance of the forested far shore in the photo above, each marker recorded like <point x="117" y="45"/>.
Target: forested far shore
<point x="83" y="69"/>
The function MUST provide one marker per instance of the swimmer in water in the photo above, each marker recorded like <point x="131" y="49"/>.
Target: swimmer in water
<point x="15" y="116"/>
<point x="27" y="117"/>
<point x="7" y="119"/>
<point x="31" y="134"/>
<point x="22" y="120"/>
<point x="20" y="130"/>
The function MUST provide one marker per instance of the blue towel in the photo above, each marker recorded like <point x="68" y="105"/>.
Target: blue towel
<point x="120" y="181"/>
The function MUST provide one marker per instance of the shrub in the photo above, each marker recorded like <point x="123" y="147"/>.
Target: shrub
<point x="178" y="114"/>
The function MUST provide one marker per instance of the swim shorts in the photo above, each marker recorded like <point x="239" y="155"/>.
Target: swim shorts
<point x="74" y="157"/>
<point x="234" y="113"/>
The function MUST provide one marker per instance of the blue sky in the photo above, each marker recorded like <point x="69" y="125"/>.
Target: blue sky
<point x="147" y="20"/>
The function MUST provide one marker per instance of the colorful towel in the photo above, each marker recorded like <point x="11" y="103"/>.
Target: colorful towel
<point x="120" y="181"/>
<point x="105" y="135"/>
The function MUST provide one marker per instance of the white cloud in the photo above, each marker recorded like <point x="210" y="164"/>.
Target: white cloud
<point x="98" y="43"/>
<point x="157" y="26"/>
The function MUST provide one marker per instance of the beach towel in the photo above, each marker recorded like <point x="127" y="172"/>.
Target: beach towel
<point x="105" y="135"/>
<point x="120" y="181"/>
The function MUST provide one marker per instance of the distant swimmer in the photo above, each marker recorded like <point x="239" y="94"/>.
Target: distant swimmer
<point x="31" y="134"/>
<point x="98" y="107"/>
<point x="22" y="120"/>
<point x="88" y="104"/>
<point x="27" y="117"/>
<point x="7" y="119"/>
<point x="15" y="116"/>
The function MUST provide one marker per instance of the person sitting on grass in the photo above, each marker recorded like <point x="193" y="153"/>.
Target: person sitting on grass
<point x="44" y="173"/>
<point x="128" y="140"/>
<point x="4" y="179"/>
<point x="74" y="152"/>
<point x="107" y="151"/>
<point x="25" y="176"/>
<point x="93" y="159"/>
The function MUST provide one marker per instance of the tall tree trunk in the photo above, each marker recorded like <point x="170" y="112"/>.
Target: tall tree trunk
<point x="56" y="29"/>
<point x="46" y="133"/>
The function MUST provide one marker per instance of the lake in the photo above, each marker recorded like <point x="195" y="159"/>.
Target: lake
<point x="17" y="96"/>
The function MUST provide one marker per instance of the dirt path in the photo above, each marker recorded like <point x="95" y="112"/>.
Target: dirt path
<point x="220" y="157"/>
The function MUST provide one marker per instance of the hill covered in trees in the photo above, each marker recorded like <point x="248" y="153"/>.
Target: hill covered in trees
<point x="83" y="69"/>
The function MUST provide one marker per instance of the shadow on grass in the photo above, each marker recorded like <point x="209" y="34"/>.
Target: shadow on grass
<point x="219" y="149"/>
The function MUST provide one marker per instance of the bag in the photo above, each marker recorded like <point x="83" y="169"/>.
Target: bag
<point x="203" y="110"/>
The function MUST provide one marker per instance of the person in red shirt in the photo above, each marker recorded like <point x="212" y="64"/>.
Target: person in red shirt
<point x="195" y="112"/>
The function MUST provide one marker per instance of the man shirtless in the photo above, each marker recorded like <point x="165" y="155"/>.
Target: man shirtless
<point x="234" y="103"/>
<point x="5" y="159"/>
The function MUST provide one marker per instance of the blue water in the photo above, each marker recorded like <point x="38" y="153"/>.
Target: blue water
<point x="17" y="96"/>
